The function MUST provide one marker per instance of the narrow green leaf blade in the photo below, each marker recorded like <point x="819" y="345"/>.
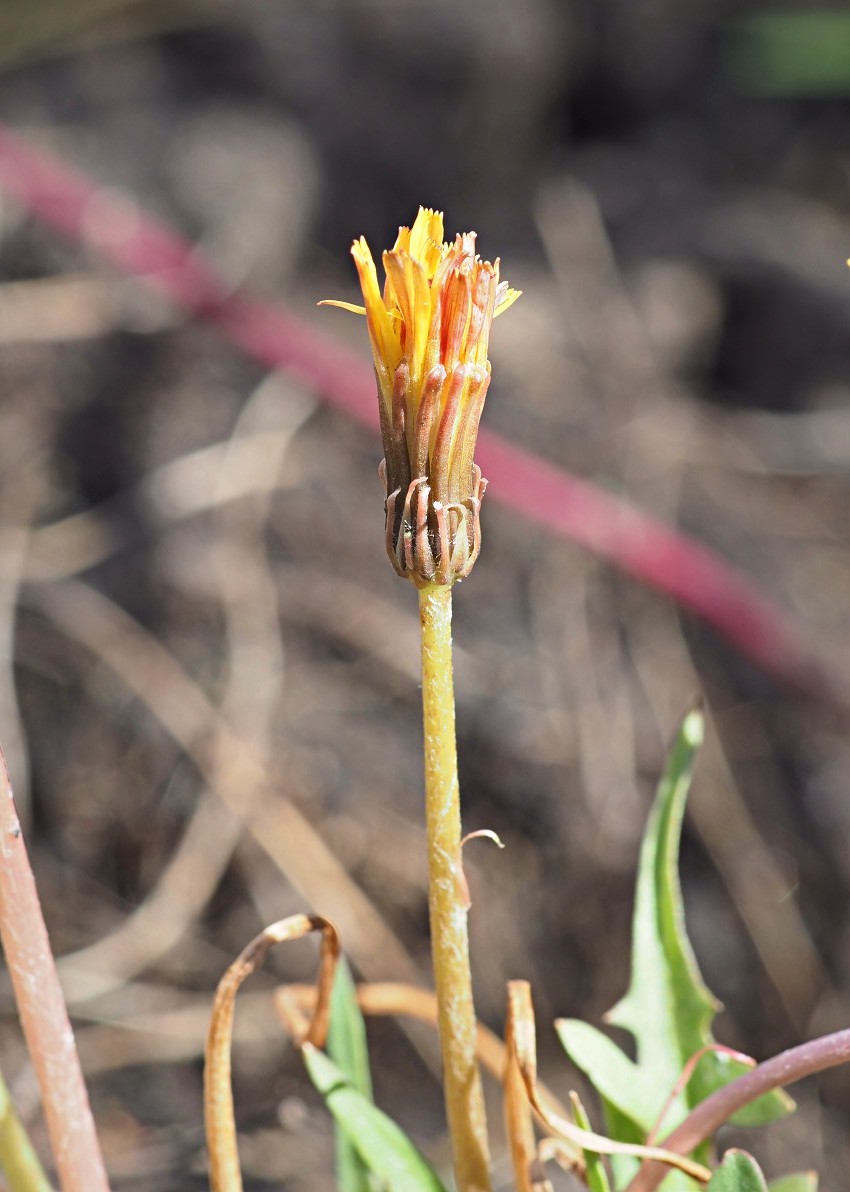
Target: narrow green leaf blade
<point x="596" y="1177"/>
<point x="801" y="1181"/>
<point x="347" y="1048"/>
<point x="347" y="1032"/>
<point x="385" y="1150"/>
<point x="738" y="1172"/>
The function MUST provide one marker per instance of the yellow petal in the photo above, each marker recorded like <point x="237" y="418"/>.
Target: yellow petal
<point x="426" y="239"/>
<point x="413" y="295"/>
<point x="385" y="342"/>
<point x="355" y="310"/>
<point x="402" y="241"/>
<point x="503" y="301"/>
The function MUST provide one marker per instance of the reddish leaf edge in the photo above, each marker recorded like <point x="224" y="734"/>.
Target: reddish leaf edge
<point x="114" y="227"/>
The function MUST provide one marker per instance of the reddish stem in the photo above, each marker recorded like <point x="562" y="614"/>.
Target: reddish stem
<point x="659" y="556"/>
<point x="42" y="1010"/>
<point x="655" y="554"/>
<point x="706" y="1119"/>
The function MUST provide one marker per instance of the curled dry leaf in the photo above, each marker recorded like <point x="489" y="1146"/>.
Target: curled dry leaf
<point x="225" y="1175"/>
<point x="396" y="999"/>
<point x="528" y="1168"/>
<point x="522" y="1031"/>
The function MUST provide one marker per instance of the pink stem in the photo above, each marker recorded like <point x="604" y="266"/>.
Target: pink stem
<point x="42" y="1010"/>
<point x="706" y="1119"/>
<point x="659" y="556"/>
<point x="653" y="553"/>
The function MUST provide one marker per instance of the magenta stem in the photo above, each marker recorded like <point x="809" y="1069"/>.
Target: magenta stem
<point x="706" y="1119"/>
<point x="118" y="231"/>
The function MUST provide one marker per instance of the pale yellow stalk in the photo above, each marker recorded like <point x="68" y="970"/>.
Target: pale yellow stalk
<point x="448" y="899"/>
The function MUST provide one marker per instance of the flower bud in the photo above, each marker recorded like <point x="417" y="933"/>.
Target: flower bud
<point x="429" y="331"/>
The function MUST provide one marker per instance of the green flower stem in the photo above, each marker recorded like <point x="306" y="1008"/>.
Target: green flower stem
<point x="447" y="898"/>
<point x="21" y="1165"/>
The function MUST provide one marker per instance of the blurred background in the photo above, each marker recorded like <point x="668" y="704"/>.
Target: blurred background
<point x="192" y="548"/>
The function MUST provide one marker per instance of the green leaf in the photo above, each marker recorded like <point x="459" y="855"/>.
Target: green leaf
<point x="668" y="1008"/>
<point x="595" y="1176"/>
<point x="385" y="1150"/>
<point x="347" y="1048"/>
<point x="347" y="1032"/>
<point x="18" y="1159"/>
<point x="718" y="1069"/>
<point x="801" y="1181"/>
<point x="738" y="1172"/>
<point x="793" y="53"/>
<point x="615" y="1077"/>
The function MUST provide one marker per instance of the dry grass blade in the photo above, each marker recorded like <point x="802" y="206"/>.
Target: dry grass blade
<point x="382" y="999"/>
<point x="124" y="1035"/>
<point x="518" y="1123"/>
<point x="76" y="306"/>
<point x="746" y="864"/>
<point x="395" y="999"/>
<point x="555" y="1150"/>
<point x="168" y="494"/>
<point x="245" y="583"/>
<point x="23" y="457"/>
<point x="231" y="769"/>
<point x="225" y="1175"/>
<point x="156" y="926"/>
<point x="54" y="27"/>
<point x="523" y="1032"/>
<point x="13" y="549"/>
<point x="247" y="465"/>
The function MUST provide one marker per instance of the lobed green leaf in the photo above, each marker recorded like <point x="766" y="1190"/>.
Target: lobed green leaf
<point x="668" y="1008"/>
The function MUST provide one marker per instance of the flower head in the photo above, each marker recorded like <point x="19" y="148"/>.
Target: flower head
<point x="429" y="330"/>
